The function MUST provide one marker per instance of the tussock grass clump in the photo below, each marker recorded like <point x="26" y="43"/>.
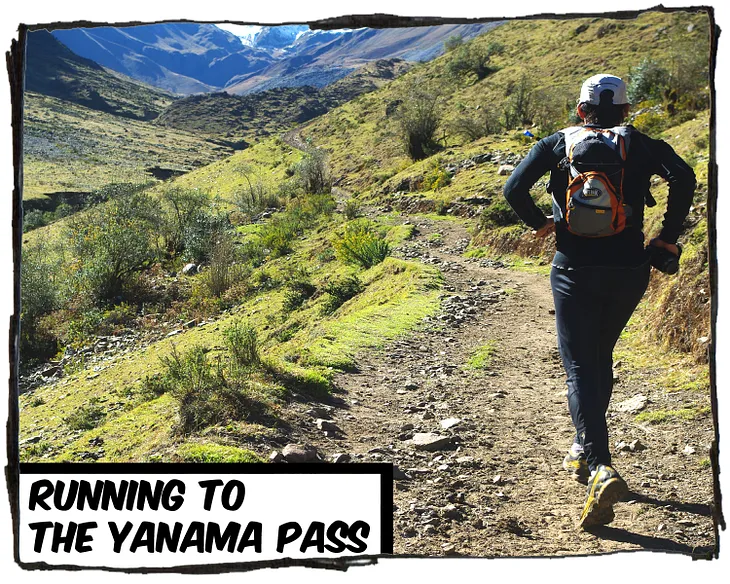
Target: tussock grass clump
<point x="298" y="289"/>
<point x="339" y="291"/>
<point x="361" y="245"/>
<point x="242" y="342"/>
<point x="86" y="417"/>
<point x="203" y="394"/>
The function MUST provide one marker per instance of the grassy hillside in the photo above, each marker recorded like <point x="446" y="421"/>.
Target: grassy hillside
<point x="276" y="250"/>
<point x="53" y="70"/>
<point x="258" y="115"/>
<point x="69" y="148"/>
<point x="554" y="56"/>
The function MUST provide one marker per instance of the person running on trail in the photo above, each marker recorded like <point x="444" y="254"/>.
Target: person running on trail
<point x="599" y="181"/>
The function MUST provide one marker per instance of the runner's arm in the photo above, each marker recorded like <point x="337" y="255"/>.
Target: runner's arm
<point x="682" y="182"/>
<point x="517" y="188"/>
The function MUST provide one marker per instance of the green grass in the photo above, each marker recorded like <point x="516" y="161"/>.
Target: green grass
<point x="481" y="357"/>
<point x="662" y="416"/>
<point x="70" y="148"/>
<point x="216" y="453"/>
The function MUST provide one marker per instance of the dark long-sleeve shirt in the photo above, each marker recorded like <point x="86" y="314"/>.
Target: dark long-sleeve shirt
<point x="646" y="157"/>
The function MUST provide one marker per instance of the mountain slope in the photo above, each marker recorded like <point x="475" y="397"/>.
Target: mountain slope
<point x="53" y="70"/>
<point x="256" y="115"/>
<point x="179" y="57"/>
<point x="311" y="61"/>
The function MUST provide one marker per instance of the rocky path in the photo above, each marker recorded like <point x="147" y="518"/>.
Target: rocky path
<point x="478" y="451"/>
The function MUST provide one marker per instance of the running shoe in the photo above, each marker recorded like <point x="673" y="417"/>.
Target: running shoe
<point x="576" y="464"/>
<point x="605" y="489"/>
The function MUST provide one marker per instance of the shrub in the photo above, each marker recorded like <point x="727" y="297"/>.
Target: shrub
<point x="454" y="41"/>
<point x="483" y="121"/>
<point x="650" y="122"/>
<point x="278" y="234"/>
<point x="256" y="196"/>
<point x="498" y="214"/>
<point x="242" y="342"/>
<point x="222" y="271"/>
<point x="419" y="117"/>
<point x="201" y="390"/>
<point x="436" y="178"/>
<point x="312" y="172"/>
<point x="473" y="59"/>
<point x="361" y="245"/>
<point x="33" y="219"/>
<point x="64" y="210"/>
<point x="183" y="208"/>
<point x="352" y="209"/>
<point x="86" y="417"/>
<point x="339" y="291"/>
<point x="39" y="274"/>
<point x="111" y="244"/>
<point x="298" y="289"/>
<point x="648" y="80"/>
<point x="517" y="109"/>
<point x="202" y="234"/>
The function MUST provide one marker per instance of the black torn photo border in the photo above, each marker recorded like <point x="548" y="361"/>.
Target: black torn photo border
<point x="718" y="243"/>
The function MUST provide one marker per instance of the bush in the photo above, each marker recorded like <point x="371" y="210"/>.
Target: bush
<point x="483" y="121"/>
<point x="436" y="177"/>
<point x="517" y="110"/>
<point x="279" y="232"/>
<point x="361" y="245"/>
<point x="298" y="289"/>
<point x="353" y="209"/>
<point x="242" y="343"/>
<point x="498" y="214"/>
<point x="312" y="172"/>
<point x="649" y="80"/>
<point x="39" y="274"/>
<point x="202" y="234"/>
<point x="473" y="59"/>
<point x="419" y="117"/>
<point x="339" y="291"/>
<point x="86" y="417"/>
<point x="183" y="208"/>
<point x="454" y="41"/>
<point x="33" y="220"/>
<point x="222" y="271"/>
<point x="256" y="196"/>
<point x="202" y="392"/>
<point x="111" y="244"/>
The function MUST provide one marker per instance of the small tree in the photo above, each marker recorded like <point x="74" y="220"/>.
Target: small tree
<point x="111" y="243"/>
<point x="419" y="117"/>
<point x="312" y="172"/>
<point x="473" y="58"/>
<point x="454" y="41"/>
<point x="648" y="80"/>
<point x="183" y="207"/>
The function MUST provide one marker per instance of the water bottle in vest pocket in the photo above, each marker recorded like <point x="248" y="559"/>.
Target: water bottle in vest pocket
<point x="594" y="201"/>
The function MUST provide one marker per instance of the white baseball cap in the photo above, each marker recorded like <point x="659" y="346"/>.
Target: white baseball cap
<point x="594" y="86"/>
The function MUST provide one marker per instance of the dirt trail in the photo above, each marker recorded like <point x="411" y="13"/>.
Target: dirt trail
<point x="496" y="488"/>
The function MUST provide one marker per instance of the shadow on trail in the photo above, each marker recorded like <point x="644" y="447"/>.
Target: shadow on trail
<point x="695" y="508"/>
<point x="650" y="542"/>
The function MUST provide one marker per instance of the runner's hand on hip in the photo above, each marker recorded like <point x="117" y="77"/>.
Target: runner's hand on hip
<point x="656" y="242"/>
<point x="546" y="229"/>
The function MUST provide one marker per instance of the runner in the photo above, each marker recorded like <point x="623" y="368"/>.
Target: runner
<point x="599" y="180"/>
